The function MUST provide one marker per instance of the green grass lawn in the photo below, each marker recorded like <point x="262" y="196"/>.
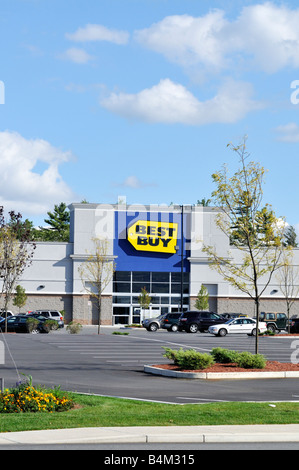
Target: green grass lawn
<point x="92" y="411"/>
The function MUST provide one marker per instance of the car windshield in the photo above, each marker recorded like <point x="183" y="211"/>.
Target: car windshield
<point x="160" y="317"/>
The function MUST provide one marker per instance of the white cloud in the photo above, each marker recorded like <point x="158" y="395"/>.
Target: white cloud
<point x="288" y="132"/>
<point x="134" y="183"/>
<point x="266" y="34"/>
<point x="76" y="55"/>
<point x="97" y="32"/>
<point x="21" y="188"/>
<point x="169" y="102"/>
<point x="185" y="39"/>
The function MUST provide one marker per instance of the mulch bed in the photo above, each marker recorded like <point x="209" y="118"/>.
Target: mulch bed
<point x="271" y="366"/>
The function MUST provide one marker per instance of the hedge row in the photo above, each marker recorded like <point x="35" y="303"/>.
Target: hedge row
<point x="194" y="360"/>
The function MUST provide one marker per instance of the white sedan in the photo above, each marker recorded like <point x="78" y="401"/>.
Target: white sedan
<point x="238" y="325"/>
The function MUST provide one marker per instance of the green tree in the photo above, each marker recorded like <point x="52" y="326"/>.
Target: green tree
<point x="97" y="271"/>
<point x="202" y="301"/>
<point x="290" y="237"/>
<point x="144" y="299"/>
<point x="253" y="227"/>
<point x="20" y="297"/>
<point x="203" y="202"/>
<point x="16" y="252"/>
<point x="288" y="277"/>
<point x="59" y="221"/>
<point x="59" y="225"/>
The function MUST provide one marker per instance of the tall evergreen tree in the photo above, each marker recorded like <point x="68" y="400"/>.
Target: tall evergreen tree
<point x="59" y="222"/>
<point x="290" y="237"/>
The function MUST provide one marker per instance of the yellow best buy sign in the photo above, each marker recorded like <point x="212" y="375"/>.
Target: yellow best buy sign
<point x="147" y="235"/>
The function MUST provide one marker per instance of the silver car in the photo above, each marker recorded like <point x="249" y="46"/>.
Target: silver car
<point x="52" y="315"/>
<point x="153" y="324"/>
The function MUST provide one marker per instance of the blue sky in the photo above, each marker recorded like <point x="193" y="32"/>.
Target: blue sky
<point x="139" y="98"/>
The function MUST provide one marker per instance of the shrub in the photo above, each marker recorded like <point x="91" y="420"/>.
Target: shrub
<point x="190" y="359"/>
<point x="171" y="354"/>
<point x="247" y="360"/>
<point x="224" y="356"/>
<point x="50" y="325"/>
<point x="32" y="324"/>
<point x="74" y="328"/>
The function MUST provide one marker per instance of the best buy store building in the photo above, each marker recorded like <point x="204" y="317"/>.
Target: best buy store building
<point x="146" y="246"/>
<point x="156" y="247"/>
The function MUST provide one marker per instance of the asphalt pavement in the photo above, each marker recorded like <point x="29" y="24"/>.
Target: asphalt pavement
<point x="77" y="356"/>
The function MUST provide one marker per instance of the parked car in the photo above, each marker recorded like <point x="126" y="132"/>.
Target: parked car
<point x="275" y="321"/>
<point x="52" y="315"/>
<point x="230" y="316"/>
<point x="294" y="325"/>
<point x="238" y="325"/>
<point x="170" y="321"/>
<point x="153" y="324"/>
<point x="8" y="313"/>
<point x="19" y="324"/>
<point x="194" y="320"/>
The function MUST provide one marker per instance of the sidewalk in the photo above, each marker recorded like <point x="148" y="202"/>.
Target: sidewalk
<point x="155" y="434"/>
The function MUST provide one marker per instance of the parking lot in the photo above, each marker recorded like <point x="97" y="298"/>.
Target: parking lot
<point x="112" y="365"/>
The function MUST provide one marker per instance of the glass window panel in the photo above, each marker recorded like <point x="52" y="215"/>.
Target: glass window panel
<point x="160" y="277"/>
<point x="160" y="288"/>
<point x="176" y="277"/>
<point x="122" y="276"/>
<point x="141" y="276"/>
<point x="121" y="299"/>
<point x="177" y="300"/>
<point x="121" y="310"/>
<point x="121" y="287"/>
<point x="176" y="288"/>
<point x="137" y="286"/>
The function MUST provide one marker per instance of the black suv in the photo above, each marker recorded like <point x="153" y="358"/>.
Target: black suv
<point x="193" y="321"/>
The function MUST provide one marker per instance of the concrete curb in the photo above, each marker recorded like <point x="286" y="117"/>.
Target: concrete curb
<point x="156" y="434"/>
<point x="220" y="375"/>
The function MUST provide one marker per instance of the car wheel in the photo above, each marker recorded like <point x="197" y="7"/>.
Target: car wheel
<point x="193" y="328"/>
<point x="271" y="328"/>
<point x="173" y="328"/>
<point x="153" y="327"/>
<point x="222" y="332"/>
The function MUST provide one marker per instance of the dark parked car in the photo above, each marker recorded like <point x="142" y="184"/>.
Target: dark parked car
<point x="193" y="321"/>
<point x="294" y="325"/>
<point x="19" y="324"/>
<point x="3" y="314"/>
<point x="170" y="321"/>
<point x="230" y="316"/>
<point x="275" y="321"/>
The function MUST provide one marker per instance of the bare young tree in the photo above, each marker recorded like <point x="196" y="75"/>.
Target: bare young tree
<point x="253" y="230"/>
<point x="16" y="252"/>
<point x="288" y="278"/>
<point x="96" y="272"/>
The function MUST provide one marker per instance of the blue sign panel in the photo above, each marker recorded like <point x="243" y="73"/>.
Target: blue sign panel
<point x="146" y="248"/>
